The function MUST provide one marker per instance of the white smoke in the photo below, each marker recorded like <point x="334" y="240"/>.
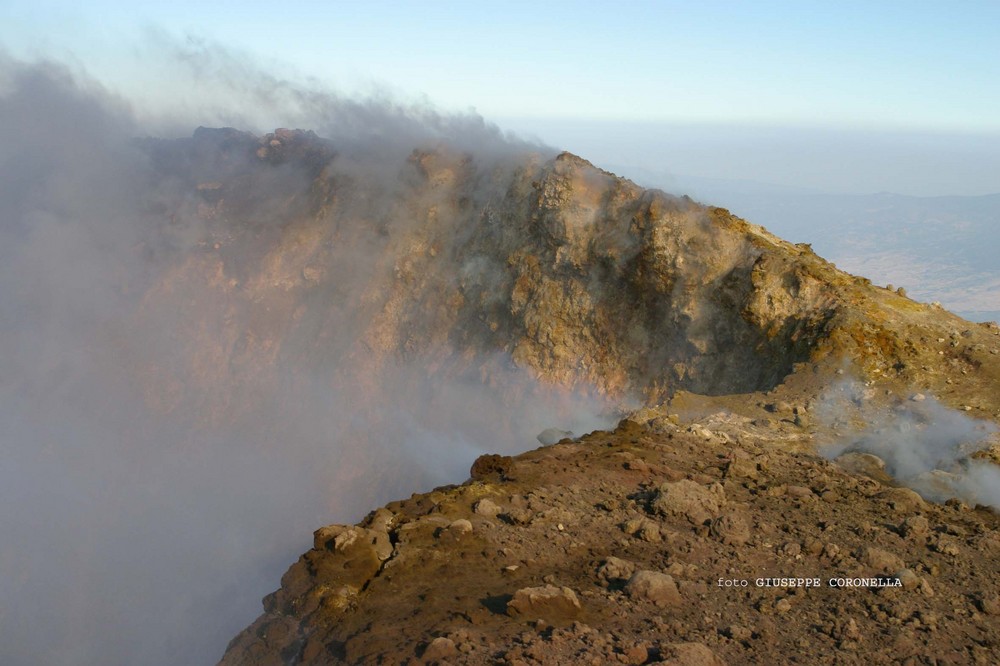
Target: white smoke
<point x="139" y="527"/>
<point x="924" y="444"/>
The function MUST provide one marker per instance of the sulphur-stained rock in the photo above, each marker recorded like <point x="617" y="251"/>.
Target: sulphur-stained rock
<point x="460" y="527"/>
<point x="579" y="275"/>
<point x="341" y="538"/>
<point x="487" y="507"/>
<point x="423" y="530"/>
<point x="352" y="565"/>
<point x="550" y="603"/>
<point x="695" y="502"/>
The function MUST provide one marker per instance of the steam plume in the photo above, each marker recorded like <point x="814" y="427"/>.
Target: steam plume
<point x="146" y="505"/>
<point x="924" y="445"/>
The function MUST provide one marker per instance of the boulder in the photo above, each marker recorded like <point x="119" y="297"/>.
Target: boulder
<point x="549" y="602"/>
<point x="654" y="586"/>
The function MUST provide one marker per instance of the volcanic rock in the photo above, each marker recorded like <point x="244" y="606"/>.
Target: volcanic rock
<point x="480" y="271"/>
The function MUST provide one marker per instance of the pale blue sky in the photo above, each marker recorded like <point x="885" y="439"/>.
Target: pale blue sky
<point x="913" y="69"/>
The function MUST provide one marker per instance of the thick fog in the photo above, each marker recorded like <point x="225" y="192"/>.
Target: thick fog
<point x="138" y="525"/>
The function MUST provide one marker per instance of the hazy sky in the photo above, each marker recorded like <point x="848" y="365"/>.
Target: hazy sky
<point x="864" y="96"/>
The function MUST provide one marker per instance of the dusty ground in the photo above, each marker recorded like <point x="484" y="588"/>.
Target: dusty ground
<point x="710" y="507"/>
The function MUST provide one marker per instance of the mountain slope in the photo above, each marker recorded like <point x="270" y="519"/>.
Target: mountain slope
<point x="538" y="559"/>
<point x="463" y="268"/>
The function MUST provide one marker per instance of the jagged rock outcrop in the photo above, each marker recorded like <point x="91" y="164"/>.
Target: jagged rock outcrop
<point x="580" y="277"/>
<point x="746" y="352"/>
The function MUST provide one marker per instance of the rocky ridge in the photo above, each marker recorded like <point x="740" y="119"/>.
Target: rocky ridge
<point x="652" y="543"/>
<point x="472" y="265"/>
<point x="745" y="352"/>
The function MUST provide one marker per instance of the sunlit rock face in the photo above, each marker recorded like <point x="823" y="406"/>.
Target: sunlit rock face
<point x="462" y="265"/>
